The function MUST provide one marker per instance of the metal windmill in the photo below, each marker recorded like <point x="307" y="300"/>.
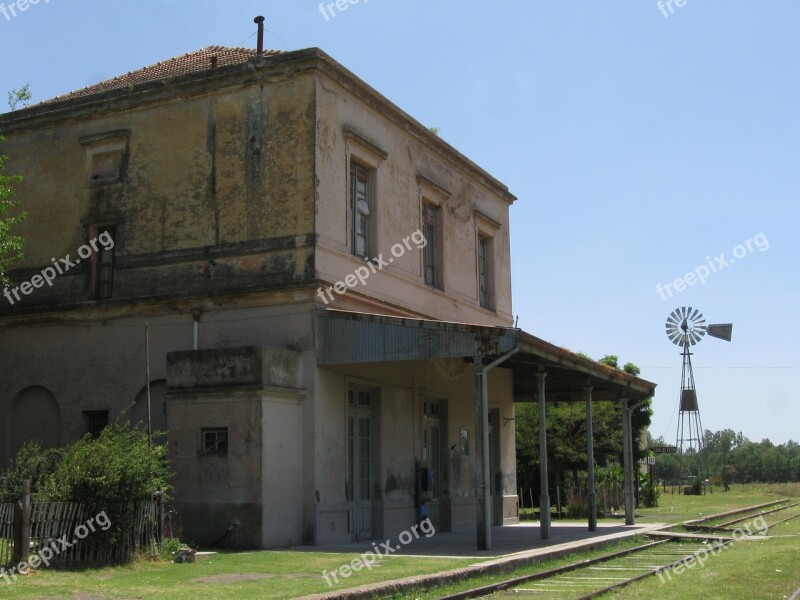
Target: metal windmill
<point x="685" y="328"/>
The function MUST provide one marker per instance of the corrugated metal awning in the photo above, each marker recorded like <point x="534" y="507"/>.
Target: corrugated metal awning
<point x="355" y="338"/>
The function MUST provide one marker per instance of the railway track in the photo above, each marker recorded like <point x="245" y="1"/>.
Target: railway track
<point x="593" y="577"/>
<point x="774" y="513"/>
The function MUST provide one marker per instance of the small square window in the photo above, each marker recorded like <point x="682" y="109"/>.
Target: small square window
<point x="106" y="156"/>
<point x="96" y="421"/>
<point x="105" y="167"/>
<point x="214" y="440"/>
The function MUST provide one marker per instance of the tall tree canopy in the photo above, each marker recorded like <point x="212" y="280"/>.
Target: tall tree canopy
<point x="11" y="246"/>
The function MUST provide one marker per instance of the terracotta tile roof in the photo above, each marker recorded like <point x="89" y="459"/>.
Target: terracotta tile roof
<point x="192" y="62"/>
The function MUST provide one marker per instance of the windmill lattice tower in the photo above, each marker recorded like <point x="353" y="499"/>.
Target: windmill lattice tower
<point x="685" y="328"/>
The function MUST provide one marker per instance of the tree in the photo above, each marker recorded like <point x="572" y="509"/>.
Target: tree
<point x="33" y="463"/>
<point x="20" y="96"/>
<point x="11" y="246"/>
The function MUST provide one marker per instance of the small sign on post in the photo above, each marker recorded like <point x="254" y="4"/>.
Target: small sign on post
<point x="647" y="460"/>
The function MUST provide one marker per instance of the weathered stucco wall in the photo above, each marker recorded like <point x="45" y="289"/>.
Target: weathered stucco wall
<point x="256" y="393"/>
<point x="216" y="193"/>
<point x="100" y="365"/>
<point x="398" y="196"/>
<point x="402" y="388"/>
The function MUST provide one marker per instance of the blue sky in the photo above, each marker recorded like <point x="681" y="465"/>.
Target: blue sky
<point x="638" y="146"/>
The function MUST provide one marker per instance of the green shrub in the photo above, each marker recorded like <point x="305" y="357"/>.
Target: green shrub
<point x="169" y="546"/>
<point x="576" y="510"/>
<point x="648" y="494"/>
<point x="108" y="472"/>
<point x="32" y="462"/>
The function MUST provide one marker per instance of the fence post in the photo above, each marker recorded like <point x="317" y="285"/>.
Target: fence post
<point x="160" y="509"/>
<point x="22" y="524"/>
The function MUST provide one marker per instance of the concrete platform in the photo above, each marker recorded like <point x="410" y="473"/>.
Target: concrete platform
<point x="512" y="546"/>
<point x="506" y="540"/>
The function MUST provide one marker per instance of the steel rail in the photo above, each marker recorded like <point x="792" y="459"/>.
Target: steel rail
<point x="485" y="590"/>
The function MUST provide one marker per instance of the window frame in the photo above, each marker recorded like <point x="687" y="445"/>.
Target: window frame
<point x="111" y="144"/>
<point x="432" y="252"/>
<point x="357" y="169"/>
<point x="364" y="154"/>
<point x="432" y="196"/>
<point x="484" y="270"/>
<point x="98" y="263"/>
<point x="486" y="229"/>
<point x="216" y="450"/>
<point x="91" y="417"/>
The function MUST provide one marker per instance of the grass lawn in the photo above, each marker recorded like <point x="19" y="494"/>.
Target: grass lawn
<point x="767" y="568"/>
<point x="262" y="574"/>
<point x="748" y="569"/>
<point x="678" y="508"/>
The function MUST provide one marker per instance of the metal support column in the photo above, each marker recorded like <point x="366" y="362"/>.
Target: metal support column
<point x="482" y="450"/>
<point x="544" y="497"/>
<point x="481" y="473"/>
<point x="627" y="434"/>
<point x="591" y="497"/>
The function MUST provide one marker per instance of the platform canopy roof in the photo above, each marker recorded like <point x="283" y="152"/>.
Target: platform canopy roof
<point x="356" y="338"/>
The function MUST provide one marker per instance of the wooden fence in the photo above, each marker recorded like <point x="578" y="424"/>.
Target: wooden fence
<point x="66" y="534"/>
<point x="6" y="534"/>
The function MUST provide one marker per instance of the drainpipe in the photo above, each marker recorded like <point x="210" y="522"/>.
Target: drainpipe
<point x="627" y="434"/>
<point x="487" y="508"/>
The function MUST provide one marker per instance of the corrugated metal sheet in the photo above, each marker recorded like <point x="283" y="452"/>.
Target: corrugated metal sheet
<point x="356" y="338"/>
<point x="353" y="338"/>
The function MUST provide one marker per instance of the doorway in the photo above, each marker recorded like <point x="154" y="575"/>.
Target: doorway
<point x="433" y="458"/>
<point x="360" y="453"/>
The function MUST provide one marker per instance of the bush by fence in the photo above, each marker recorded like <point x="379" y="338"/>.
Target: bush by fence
<point x="67" y="533"/>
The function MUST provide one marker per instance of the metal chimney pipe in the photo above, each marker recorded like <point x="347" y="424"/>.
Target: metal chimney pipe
<point x="260" y="47"/>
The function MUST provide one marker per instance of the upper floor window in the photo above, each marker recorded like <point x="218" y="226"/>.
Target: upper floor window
<point x="432" y="197"/>
<point x="103" y="244"/>
<point x="487" y="230"/>
<point x="485" y="271"/>
<point x="431" y="230"/>
<point x="361" y="207"/>
<point x="107" y="156"/>
<point x="364" y="158"/>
